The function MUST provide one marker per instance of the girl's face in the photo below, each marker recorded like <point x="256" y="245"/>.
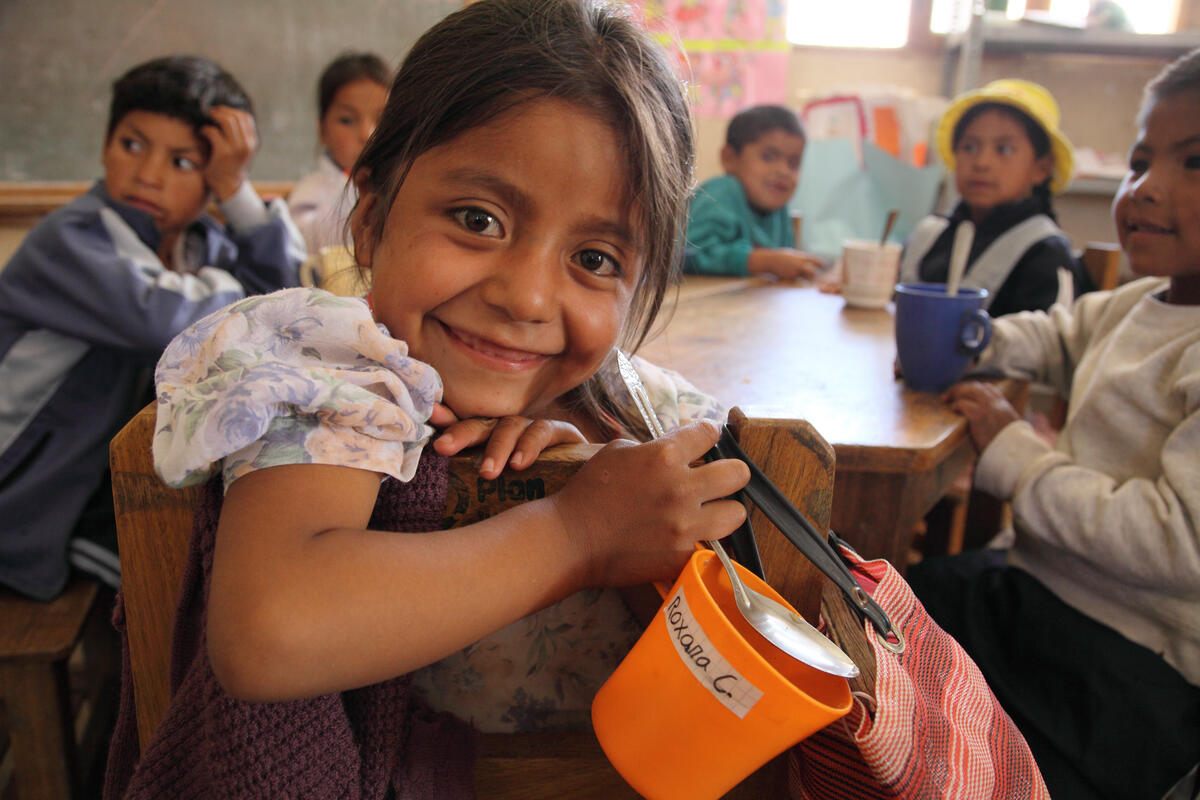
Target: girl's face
<point x="509" y="257"/>
<point x="1157" y="208"/>
<point x="351" y="119"/>
<point x="995" y="163"/>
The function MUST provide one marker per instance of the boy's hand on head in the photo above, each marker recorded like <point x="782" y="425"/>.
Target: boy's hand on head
<point x="634" y="512"/>
<point x="785" y="263"/>
<point x="986" y="408"/>
<point x="511" y="441"/>
<point x="233" y="138"/>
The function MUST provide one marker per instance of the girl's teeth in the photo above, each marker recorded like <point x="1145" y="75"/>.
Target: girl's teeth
<point x="498" y="352"/>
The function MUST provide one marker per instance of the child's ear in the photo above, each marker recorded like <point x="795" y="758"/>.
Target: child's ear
<point x="728" y="158"/>
<point x="1043" y="168"/>
<point x="362" y="221"/>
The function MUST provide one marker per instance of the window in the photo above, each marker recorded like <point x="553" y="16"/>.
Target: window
<point x="1138" y="16"/>
<point x="848" y="23"/>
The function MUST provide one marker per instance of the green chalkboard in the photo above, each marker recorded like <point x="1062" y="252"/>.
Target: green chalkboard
<point x="58" y="59"/>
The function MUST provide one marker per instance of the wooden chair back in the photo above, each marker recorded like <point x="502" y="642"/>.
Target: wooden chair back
<point x="1102" y="262"/>
<point x="154" y="525"/>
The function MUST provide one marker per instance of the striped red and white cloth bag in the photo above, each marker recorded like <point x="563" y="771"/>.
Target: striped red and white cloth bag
<point x="934" y="728"/>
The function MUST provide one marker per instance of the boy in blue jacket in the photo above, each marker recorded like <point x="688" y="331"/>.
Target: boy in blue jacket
<point x="98" y="289"/>
<point x="738" y="223"/>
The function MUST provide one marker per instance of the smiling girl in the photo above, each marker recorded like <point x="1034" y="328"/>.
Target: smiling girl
<point x="520" y="205"/>
<point x="1008" y="157"/>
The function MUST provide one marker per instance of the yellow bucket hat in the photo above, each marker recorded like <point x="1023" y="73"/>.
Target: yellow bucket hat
<point x="1029" y="97"/>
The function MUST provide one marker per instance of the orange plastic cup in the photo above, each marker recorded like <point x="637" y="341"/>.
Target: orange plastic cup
<point x="702" y="700"/>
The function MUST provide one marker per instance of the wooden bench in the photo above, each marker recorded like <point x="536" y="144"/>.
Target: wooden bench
<point x="55" y="730"/>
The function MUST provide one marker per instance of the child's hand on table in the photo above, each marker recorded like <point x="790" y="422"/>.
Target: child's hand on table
<point x="234" y="140"/>
<point x="511" y="441"/>
<point x="635" y="511"/>
<point x="986" y="408"/>
<point x="785" y="263"/>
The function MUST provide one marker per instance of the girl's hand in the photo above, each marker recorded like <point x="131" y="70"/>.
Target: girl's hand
<point x="511" y="441"/>
<point x="986" y="408"/>
<point x="634" y="512"/>
<point x="234" y="140"/>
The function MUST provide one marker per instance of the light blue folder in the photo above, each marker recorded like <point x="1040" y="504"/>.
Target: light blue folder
<point x="841" y="199"/>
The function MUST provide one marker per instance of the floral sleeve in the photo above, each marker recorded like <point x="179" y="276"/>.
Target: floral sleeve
<point x="299" y="376"/>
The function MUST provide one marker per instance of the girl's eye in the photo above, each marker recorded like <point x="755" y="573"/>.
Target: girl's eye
<point x="476" y="220"/>
<point x="970" y="148"/>
<point x="1005" y="149"/>
<point x="598" y="263"/>
<point x="185" y="164"/>
<point x="1137" y="165"/>
<point x="132" y="145"/>
<point x="347" y="120"/>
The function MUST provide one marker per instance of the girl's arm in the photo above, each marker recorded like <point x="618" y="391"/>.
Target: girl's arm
<point x="305" y="601"/>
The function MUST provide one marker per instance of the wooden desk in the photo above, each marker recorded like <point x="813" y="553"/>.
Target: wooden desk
<point x="791" y="352"/>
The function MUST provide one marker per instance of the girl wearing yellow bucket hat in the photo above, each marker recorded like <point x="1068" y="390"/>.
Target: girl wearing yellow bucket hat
<point x="1009" y="157"/>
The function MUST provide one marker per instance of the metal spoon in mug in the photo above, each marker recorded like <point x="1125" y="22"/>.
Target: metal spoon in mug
<point x="964" y="235"/>
<point x="778" y="624"/>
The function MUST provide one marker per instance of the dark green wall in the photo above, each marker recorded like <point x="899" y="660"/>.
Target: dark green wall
<point x="58" y="59"/>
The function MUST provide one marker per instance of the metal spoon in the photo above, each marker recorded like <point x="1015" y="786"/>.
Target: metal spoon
<point x="782" y="627"/>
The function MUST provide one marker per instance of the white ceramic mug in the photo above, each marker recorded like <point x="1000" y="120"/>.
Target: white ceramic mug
<point x="869" y="272"/>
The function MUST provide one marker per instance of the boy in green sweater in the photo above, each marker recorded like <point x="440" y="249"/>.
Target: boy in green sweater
<point x="739" y="223"/>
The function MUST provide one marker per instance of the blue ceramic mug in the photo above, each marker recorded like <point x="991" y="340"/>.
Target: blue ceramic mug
<point x="937" y="334"/>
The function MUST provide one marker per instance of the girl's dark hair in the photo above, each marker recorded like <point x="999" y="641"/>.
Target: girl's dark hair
<point x="747" y="126"/>
<point x="494" y="55"/>
<point x="1038" y="138"/>
<point x="183" y="87"/>
<point x="1181" y="75"/>
<point x="349" y="68"/>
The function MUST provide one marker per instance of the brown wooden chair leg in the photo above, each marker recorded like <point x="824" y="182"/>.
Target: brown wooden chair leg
<point x="51" y="728"/>
<point x="37" y="701"/>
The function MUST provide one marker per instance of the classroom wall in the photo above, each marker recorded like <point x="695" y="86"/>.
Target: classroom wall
<point x="60" y="57"/>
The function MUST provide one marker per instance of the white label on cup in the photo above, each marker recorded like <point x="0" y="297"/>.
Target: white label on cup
<point x="707" y="665"/>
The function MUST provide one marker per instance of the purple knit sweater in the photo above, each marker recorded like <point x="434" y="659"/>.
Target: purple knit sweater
<point x="371" y="743"/>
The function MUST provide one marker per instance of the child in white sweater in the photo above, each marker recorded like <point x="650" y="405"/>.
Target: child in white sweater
<point x="1088" y="628"/>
